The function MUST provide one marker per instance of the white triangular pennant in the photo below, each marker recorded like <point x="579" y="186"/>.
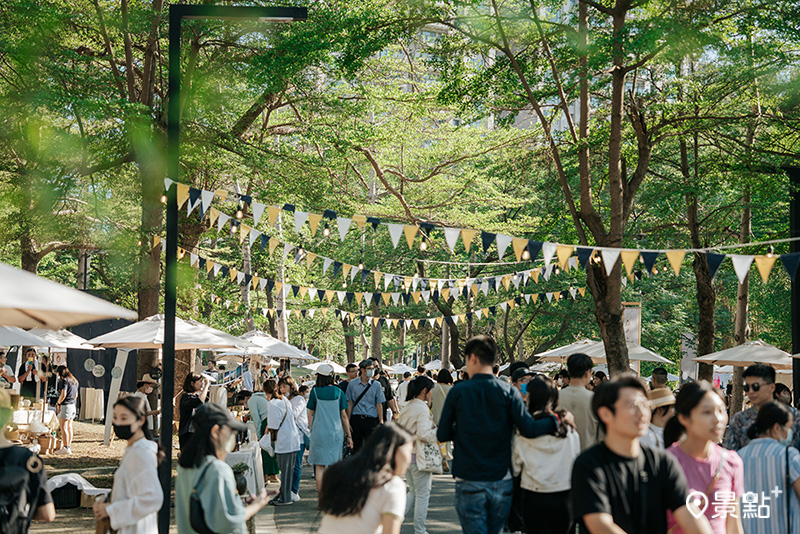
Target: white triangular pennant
<point x="299" y="220"/>
<point x="287" y="247"/>
<point x="502" y="244"/>
<point x="311" y="313"/>
<point x="432" y="322"/>
<point x="222" y="221"/>
<point x="340" y="295"/>
<point x="254" y="234"/>
<point x="168" y="183"/>
<point x="325" y="264"/>
<point x="206" y="197"/>
<point x="485" y="287"/>
<point x="610" y="257"/>
<point x="549" y="297"/>
<point x="192" y="259"/>
<point x="240" y="277"/>
<point x="217" y="268"/>
<point x="527" y="297"/>
<point x="368" y="298"/>
<point x="353" y="273"/>
<point x="478" y="313"/>
<point x="451" y="236"/>
<point x="344" y="226"/>
<point x="426" y="295"/>
<point x="548" y="250"/>
<point x="741" y="264"/>
<point x="396" y="298"/>
<point x="258" y="211"/>
<point x="504" y="306"/>
<point x="387" y="279"/>
<point x="395" y="232"/>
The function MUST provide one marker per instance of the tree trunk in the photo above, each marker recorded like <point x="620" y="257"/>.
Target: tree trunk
<point x="455" y="349"/>
<point x="401" y="341"/>
<point x="349" y="340"/>
<point x="445" y="341"/>
<point x="608" y="310"/>
<point x="281" y="326"/>
<point x="375" y="338"/>
<point x="742" y="327"/>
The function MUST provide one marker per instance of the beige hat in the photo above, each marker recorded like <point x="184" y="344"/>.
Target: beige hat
<point x="147" y="379"/>
<point x="660" y="397"/>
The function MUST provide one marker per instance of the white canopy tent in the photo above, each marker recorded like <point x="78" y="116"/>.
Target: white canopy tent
<point x="336" y="367"/>
<point x="62" y="339"/>
<point x="399" y="368"/>
<point x="265" y="345"/>
<point x="596" y="350"/>
<point x="434" y="365"/>
<point x="30" y="301"/>
<point x="750" y="353"/>
<point x="17" y="337"/>
<point x="149" y="334"/>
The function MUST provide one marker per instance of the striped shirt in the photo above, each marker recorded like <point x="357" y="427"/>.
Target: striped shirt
<point x="765" y="471"/>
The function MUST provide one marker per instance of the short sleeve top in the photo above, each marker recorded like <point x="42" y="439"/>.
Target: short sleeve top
<point x="389" y="499"/>
<point x="326" y="393"/>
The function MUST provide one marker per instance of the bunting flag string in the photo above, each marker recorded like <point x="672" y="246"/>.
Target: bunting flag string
<point x="524" y="249"/>
<point x="416" y="294"/>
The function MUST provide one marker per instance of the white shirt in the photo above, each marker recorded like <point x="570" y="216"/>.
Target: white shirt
<point x="402" y="391"/>
<point x="387" y="499"/>
<point x="416" y="417"/>
<point x="136" y="496"/>
<point x="654" y="437"/>
<point x="147" y="408"/>
<point x="300" y="414"/>
<point x="544" y="462"/>
<point x="5" y="384"/>
<point x="288" y="435"/>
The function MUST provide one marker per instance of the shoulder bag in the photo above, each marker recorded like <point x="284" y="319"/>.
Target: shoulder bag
<point x="197" y="516"/>
<point x="269" y="438"/>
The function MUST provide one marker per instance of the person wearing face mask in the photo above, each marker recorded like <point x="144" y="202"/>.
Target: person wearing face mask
<point x="562" y="378"/>
<point x="769" y="463"/>
<point x="365" y="399"/>
<point x="759" y="386"/>
<point x="416" y="417"/>
<point x="202" y="468"/>
<point x="691" y="436"/>
<point x="135" y="498"/>
<point x="783" y="394"/>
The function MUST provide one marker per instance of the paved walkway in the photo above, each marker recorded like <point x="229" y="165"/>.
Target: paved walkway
<point x="300" y="518"/>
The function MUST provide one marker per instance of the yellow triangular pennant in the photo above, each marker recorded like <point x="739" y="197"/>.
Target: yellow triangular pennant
<point x="410" y="232"/>
<point x="346" y="270"/>
<point x="375" y="321"/>
<point x="535" y="274"/>
<point x="564" y="252"/>
<point x="386" y="297"/>
<point x="511" y="303"/>
<point x="273" y="243"/>
<point x="360" y="220"/>
<point x="329" y="295"/>
<point x="765" y="264"/>
<point x="506" y="281"/>
<point x="271" y="312"/>
<point x="467" y="236"/>
<point x="222" y="194"/>
<point x="629" y="258"/>
<point x="324" y="312"/>
<point x="297" y="313"/>
<point x="213" y="214"/>
<point x="519" y="245"/>
<point x="675" y="258"/>
<point x="272" y="213"/>
<point x="255" y="282"/>
<point x="415" y="322"/>
<point x="313" y="222"/>
<point x="156" y="240"/>
<point x="582" y="291"/>
<point x="534" y="298"/>
<point x="415" y="295"/>
<point x="377" y="275"/>
<point x="244" y="231"/>
<point x="233" y="273"/>
<point x="209" y="266"/>
<point x="310" y="257"/>
<point x="446" y="293"/>
<point x="303" y="292"/>
<point x="183" y="194"/>
<point x="278" y="287"/>
<point x="474" y="289"/>
<point x="359" y="296"/>
<point x="485" y="312"/>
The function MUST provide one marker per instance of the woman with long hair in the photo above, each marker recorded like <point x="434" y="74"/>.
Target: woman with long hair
<point x="540" y="463"/>
<point x="68" y="395"/>
<point x="258" y="404"/>
<point x="771" y="462"/>
<point x="202" y="470"/>
<point x="287" y="439"/>
<point x="289" y="389"/>
<point x="417" y="419"/>
<point x="327" y="421"/>
<point x="195" y="393"/>
<point x="136" y="496"/>
<point x="365" y="493"/>
<point x="691" y="436"/>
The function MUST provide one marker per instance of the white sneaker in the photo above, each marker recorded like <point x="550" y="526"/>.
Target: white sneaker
<point x="295" y="497"/>
<point x="63" y="450"/>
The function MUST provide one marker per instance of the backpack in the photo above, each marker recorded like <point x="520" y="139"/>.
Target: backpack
<point x="16" y="508"/>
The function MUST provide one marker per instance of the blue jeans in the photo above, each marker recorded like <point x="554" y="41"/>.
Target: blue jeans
<point x="483" y="507"/>
<point x="298" y="469"/>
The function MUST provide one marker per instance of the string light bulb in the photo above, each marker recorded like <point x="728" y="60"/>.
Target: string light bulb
<point x="326" y="231"/>
<point x="771" y="251"/>
<point x="557" y="270"/>
<point x="423" y="245"/>
<point x="239" y="213"/>
<point x="361" y="265"/>
<point x="526" y="255"/>
<point x="163" y="199"/>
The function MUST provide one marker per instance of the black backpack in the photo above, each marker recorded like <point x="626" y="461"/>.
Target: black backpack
<point x="16" y="506"/>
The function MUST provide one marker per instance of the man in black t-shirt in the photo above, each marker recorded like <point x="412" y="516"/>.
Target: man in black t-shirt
<point x="618" y="486"/>
<point x="352" y="371"/>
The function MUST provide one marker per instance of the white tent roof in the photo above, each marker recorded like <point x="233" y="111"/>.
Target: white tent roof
<point x="17" y="337"/>
<point x="435" y="365"/>
<point x="748" y="354"/>
<point x="149" y="334"/>
<point x="63" y="339"/>
<point x="336" y="367"/>
<point x="30" y="301"/>
<point x="400" y="368"/>
<point x="596" y="350"/>
<point x="266" y="345"/>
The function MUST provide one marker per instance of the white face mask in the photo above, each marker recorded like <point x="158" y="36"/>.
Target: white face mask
<point x="370" y="373"/>
<point x="788" y="439"/>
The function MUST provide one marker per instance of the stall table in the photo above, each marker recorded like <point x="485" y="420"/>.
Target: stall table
<point x="250" y="455"/>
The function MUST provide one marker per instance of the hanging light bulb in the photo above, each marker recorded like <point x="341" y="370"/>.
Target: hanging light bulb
<point x="163" y="199"/>
<point x="664" y="268"/>
<point x="361" y="265"/>
<point x="526" y="255"/>
<point x="326" y="231"/>
<point x="558" y="270"/>
<point x="239" y="213"/>
<point x="771" y="251"/>
<point x="423" y="246"/>
<point x="344" y="285"/>
<point x="139" y="243"/>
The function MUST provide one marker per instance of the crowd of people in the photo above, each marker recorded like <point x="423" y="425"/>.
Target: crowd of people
<point x="575" y="452"/>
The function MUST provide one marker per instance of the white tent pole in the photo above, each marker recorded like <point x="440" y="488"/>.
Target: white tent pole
<point x="116" y="383"/>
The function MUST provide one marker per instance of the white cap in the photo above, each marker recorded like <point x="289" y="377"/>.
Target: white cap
<point x="325" y="369"/>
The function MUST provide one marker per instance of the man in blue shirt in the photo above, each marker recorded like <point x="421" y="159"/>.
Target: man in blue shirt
<point x="364" y="399"/>
<point x="479" y="417"/>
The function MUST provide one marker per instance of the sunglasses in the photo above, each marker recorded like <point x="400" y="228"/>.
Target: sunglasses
<point x="755" y="387"/>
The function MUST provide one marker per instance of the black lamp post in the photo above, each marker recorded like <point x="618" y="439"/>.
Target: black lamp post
<point x="177" y="13"/>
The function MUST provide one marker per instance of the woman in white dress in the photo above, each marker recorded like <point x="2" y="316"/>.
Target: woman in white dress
<point x="136" y="496"/>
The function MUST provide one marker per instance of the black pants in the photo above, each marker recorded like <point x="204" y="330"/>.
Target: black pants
<point x="361" y="427"/>
<point x="545" y="513"/>
<point x="515" y="521"/>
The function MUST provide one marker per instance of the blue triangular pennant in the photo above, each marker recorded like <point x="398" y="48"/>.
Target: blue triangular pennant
<point x="584" y="253"/>
<point x="714" y="261"/>
<point x="649" y="259"/>
<point x="487" y="239"/>
<point x="534" y="247"/>
<point x="790" y="263"/>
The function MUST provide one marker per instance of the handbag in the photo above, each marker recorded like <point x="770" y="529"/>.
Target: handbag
<point x="197" y="516"/>
<point x="429" y="457"/>
<point x="270" y="437"/>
